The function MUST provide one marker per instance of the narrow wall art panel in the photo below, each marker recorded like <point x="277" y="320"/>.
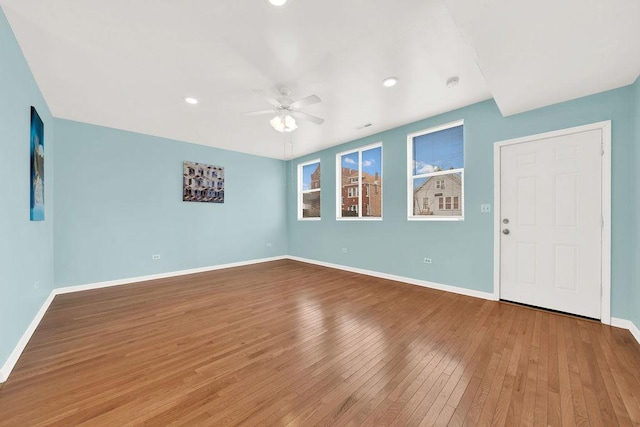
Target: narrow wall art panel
<point x="37" y="167"/>
<point x="202" y="183"/>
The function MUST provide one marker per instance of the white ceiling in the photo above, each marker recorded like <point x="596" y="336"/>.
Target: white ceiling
<point x="129" y="64"/>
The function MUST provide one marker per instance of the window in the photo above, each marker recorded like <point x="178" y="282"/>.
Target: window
<point x="436" y="171"/>
<point x="309" y="190"/>
<point x="444" y="203"/>
<point x="359" y="183"/>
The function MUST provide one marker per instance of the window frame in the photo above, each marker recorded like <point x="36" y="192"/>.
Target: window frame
<point x="301" y="191"/>
<point x="358" y="150"/>
<point x="411" y="177"/>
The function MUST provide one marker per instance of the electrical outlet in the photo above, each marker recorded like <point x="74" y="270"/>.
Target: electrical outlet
<point x="485" y="208"/>
<point x="268" y="244"/>
<point x="36" y="284"/>
<point x="427" y="260"/>
<point x="155" y="256"/>
<point x="344" y="250"/>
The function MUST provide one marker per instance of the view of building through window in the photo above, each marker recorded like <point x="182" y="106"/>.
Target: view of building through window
<point x="309" y="194"/>
<point x="360" y="183"/>
<point x="437" y="159"/>
<point x="436" y="178"/>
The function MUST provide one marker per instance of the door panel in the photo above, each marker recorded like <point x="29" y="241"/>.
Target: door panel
<point x="551" y="200"/>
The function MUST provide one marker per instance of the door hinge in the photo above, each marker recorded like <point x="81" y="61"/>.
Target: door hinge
<point x="602" y="148"/>
<point x="601" y="222"/>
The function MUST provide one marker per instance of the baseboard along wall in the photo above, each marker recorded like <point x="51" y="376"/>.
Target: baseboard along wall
<point x="10" y="363"/>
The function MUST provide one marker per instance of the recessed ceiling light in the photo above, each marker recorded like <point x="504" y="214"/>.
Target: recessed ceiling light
<point x="390" y="82"/>
<point x="190" y="100"/>
<point x="278" y="2"/>
<point x="453" y="82"/>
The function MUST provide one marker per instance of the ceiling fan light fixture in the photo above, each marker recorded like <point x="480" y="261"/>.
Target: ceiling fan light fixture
<point x="283" y="123"/>
<point x="278" y="2"/>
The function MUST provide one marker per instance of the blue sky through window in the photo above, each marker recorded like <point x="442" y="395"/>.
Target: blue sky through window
<point x="350" y="161"/>
<point x="306" y="175"/>
<point x="442" y="150"/>
<point x="371" y="161"/>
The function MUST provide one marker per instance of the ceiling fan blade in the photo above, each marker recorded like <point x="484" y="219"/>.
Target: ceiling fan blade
<point x="308" y="117"/>
<point x="259" y="113"/>
<point x="309" y="100"/>
<point x="273" y="102"/>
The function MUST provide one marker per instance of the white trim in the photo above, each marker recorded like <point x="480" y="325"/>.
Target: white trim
<point x="605" y="280"/>
<point x="409" y="280"/>
<point x="10" y="363"/>
<point x="8" y="366"/>
<point x="444" y="172"/>
<point x="109" y="283"/>
<point x="496" y="221"/>
<point x="605" y="310"/>
<point x="436" y="128"/>
<point x="626" y="324"/>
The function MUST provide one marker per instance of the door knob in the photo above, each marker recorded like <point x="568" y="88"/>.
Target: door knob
<point x="505" y="231"/>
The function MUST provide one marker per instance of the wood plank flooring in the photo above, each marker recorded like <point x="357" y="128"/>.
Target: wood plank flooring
<point x="287" y="343"/>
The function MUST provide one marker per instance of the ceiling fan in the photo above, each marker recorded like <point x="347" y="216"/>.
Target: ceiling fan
<point x="286" y="111"/>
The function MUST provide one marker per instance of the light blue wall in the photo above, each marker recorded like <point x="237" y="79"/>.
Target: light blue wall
<point x="119" y="200"/>
<point x="26" y="248"/>
<point x="462" y="252"/>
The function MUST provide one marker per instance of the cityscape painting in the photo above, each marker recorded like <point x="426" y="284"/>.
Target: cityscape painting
<point x="37" y="167"/>
<point x="202" y="183"/>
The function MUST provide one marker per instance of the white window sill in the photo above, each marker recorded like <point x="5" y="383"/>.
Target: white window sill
<point x="435" y="218"/>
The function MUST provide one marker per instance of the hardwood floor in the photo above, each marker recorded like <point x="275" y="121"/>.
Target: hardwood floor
<point x="286" y="343"/>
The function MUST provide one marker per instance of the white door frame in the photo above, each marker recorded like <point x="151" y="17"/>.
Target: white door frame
<point x="605" y="128"/>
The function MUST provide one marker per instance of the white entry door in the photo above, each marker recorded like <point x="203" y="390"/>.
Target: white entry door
<point x="551" y="222"/>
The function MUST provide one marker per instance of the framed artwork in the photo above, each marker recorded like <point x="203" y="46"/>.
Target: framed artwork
<point x="37" y="167"/>
<point x="202" y="183"/>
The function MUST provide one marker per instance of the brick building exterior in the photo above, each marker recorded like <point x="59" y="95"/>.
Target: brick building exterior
<point x="371" y="192"/>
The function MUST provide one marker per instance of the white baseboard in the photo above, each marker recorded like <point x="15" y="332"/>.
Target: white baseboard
<point x="109" y="283"/>
<point x="409" y="280"/>
<point x="6" y="369"/>
<point x="10" y="363"/>
<point x="8" y="366"/>
<point x="626" y="324"/>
